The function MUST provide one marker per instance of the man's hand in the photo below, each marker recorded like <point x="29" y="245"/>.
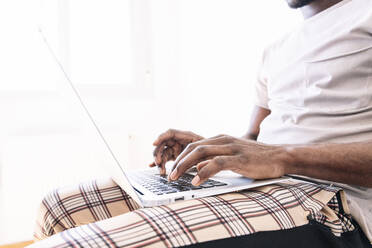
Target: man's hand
<point x="169" y="145"/>
<point x="248" y="158"/>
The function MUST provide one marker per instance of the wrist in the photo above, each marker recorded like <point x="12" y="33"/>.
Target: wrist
<point x="280" y="160"/>
<point x="288" y="160"/>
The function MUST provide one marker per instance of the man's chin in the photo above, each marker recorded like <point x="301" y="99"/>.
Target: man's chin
<point x="295" y="4"/>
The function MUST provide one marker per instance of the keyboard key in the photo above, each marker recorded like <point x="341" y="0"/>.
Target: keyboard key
<point x="220" y="184"/>
<point x="170" y="191"/>
<point x="159" y="184"/>
<point x="206" y="186"/>
<point x="196" y="187"/>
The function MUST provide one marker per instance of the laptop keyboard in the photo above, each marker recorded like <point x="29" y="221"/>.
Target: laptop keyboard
<point x="160" y="185"/>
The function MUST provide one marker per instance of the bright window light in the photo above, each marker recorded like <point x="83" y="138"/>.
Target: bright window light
<point x="100" y="41"/>
<point x="196" y="59"/>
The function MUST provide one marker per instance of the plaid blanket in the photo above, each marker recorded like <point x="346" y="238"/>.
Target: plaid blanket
<point x="100" y="214"/>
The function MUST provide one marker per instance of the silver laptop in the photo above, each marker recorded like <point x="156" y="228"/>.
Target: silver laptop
<point x="148" y="188"/>
<point x="153" y="189"/>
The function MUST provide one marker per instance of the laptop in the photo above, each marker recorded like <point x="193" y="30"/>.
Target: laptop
<point x="147" y="187"/>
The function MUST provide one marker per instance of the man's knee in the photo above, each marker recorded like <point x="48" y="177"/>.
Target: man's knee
<point x="88" y="202"/>
<point x="59" y="209"/>
<point x="49" y="217"/>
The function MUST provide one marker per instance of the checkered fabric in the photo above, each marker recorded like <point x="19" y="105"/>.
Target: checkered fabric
<point x="86" y="203"/>
<point x="115" y="220"/>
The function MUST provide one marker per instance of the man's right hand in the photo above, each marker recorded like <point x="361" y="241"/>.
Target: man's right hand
<point x="169" y="145"/>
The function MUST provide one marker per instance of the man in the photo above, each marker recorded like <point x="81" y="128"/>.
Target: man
<point x="313" y="119"/>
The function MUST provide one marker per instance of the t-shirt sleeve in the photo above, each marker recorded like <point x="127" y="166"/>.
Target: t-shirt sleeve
<point x="261" y="98"/>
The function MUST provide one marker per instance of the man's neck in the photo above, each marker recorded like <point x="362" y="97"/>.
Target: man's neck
<point x="317" y="7"/>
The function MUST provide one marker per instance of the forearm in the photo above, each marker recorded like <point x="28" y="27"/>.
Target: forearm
<point x="250" y="136"/>
<point x="257" y="116"/>
<point x="346" y="163"/>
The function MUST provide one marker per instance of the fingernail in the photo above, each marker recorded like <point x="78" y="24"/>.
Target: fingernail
<point x="195" y="181"/>
<point x="173" y="175"/>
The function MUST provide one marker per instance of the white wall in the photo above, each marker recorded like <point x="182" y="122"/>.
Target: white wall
<point x="203" y="62"/>
<point x="44" y="141"/>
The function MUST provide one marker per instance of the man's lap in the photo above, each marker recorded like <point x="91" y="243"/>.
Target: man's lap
<point x="247" y="215"/>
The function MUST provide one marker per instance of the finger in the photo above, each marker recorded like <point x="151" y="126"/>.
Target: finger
<point x="212" y="168"/>
<point x="175" y="135"/>
<point x="169" y="134"/>
<point x="177" y="149"/>
<point x="161" y="169"/>
<point x="202" y="164"/>
<point x="158" y="152"/>
<point x="165" y="158"/>
<point x="220" y="139"/>
<point x="153" y="164"/>
<point x="199" y="154"/>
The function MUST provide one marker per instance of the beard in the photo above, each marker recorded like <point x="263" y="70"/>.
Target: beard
<point x="295" y="4"/>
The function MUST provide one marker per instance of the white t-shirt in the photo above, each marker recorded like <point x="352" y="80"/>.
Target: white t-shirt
<point x="317" y="82"/>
